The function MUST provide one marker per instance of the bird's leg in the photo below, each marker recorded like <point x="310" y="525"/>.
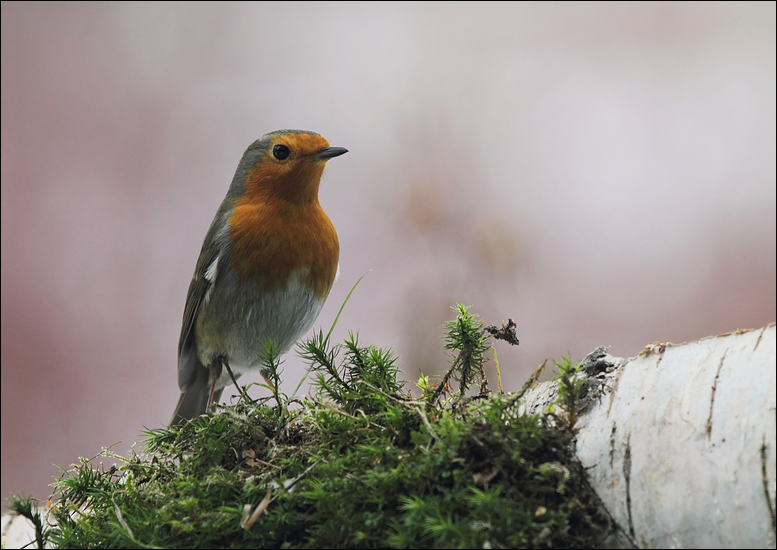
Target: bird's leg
<point x="231" y="376"/>
<point x="242" y="390"/>
<point x="215" y="374"/>
<point x="210" y="395"/>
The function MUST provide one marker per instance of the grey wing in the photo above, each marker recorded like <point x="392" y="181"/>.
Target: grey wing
<point x="213" y="257"/>
<point x="188" y="362"/>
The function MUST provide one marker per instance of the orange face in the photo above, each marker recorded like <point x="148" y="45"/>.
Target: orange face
<point x="294" y="178"/>
<point x="278" y="225"/>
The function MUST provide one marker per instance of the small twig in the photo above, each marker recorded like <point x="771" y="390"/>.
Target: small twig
<point x="248" y="522"/>
<point x="266" y="501"/>
<point x="333" y="409"/>
<point x="287" y="485"/>
<point x="506" y="333"/>
<point x="402" y="401"/>
<point x="428" y="426"/>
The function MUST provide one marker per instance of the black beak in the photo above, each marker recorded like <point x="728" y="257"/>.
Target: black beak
<point x="327" y="153"/>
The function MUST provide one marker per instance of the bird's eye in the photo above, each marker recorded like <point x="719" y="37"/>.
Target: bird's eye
<point x="281" y="152"/>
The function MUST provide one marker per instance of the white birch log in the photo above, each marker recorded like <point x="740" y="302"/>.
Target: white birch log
<point x="679" y="442"/>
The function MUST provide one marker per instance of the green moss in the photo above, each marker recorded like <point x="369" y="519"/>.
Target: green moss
<point x="359" y="464"/>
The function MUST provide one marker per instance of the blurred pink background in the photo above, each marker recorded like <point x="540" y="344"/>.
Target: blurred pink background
<point x="600" y="173"/>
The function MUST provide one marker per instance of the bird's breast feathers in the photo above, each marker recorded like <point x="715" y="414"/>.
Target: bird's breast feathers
<point x="269" y="242"/>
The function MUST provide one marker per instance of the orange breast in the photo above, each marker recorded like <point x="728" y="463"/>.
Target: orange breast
<point x="271" y="239"/>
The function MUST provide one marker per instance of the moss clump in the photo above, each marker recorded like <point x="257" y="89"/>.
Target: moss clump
<point x="359" y="464"/>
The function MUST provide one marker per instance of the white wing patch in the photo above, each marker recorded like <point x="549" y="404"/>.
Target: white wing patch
<point x="337" y="274"/>
<point x="210" y="275"/>
<point x="212" y="271"/>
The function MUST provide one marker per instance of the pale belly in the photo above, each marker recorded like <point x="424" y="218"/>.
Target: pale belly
<point x="242" y="324"/>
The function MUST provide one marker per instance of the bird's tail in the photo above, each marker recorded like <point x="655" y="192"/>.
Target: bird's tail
<point x="194" y="400"/>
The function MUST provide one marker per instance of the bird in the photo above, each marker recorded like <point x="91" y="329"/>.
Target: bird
<point x="266" y="267"/>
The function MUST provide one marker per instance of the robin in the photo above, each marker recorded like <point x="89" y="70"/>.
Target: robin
<point x="265" y="269"/>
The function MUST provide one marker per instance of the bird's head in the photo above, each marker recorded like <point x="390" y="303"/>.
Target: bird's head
<point x="286" y="165"/>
